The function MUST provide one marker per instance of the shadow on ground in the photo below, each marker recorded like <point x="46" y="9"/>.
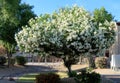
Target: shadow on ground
<point x="16" y="71"/>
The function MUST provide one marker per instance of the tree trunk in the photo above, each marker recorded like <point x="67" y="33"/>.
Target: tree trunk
<point x="8" y="60"/>
<point x="91" y="62"/>
<point x="68" y="64"/>
<point x="9" y="55"/>
<point x="69" y="70"/>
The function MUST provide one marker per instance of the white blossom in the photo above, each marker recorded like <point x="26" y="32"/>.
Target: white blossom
<point x="71" y="27"/>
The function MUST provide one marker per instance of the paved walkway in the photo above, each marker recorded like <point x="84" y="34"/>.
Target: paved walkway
<point x="110" y="74"/>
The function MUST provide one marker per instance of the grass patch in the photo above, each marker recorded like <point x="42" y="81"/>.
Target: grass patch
<point x="62" y="74"/>
<point x="30" y="78"/>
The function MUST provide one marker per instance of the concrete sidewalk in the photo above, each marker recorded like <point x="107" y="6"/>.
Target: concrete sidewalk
<point x="7" y="81"/>
<point x="109" y="74"/>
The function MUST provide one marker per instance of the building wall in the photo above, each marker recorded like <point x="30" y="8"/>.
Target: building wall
<point x="118" y="40"/>
<point x="115" y="49"/>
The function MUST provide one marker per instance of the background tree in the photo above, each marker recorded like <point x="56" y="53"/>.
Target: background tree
<point x="25" y="14"/>
<point x="10" y="23"/>
<point x="67" y="33"/>
<point x="101" y="17"/>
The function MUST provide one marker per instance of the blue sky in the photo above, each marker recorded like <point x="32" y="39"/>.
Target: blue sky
<point x="48" y="6"/>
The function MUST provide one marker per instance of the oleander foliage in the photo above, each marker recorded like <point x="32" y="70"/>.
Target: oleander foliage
<point x="66" y="33"/>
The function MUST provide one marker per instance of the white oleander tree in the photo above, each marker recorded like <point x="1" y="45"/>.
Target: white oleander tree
<point x="66" y="33"/>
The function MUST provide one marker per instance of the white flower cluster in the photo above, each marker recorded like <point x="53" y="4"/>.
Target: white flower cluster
<point x="69" y="28"/>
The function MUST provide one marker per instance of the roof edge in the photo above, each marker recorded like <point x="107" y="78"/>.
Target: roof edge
<point x="118" y="23"/>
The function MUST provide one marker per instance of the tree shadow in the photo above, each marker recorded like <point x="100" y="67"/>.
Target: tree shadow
<point x="17" y="71"/>
<point x="41" y="68"/>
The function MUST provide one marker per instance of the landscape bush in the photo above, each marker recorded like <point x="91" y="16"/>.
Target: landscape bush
<point x="101" y="62"/>
<point x="2" y="60"/>
<point x="88" y="77"/>
<point x="47" y="78"/>
<point x="72" y="74"/>
<point x="20" y="60"/>
<point x="12" y="61"/>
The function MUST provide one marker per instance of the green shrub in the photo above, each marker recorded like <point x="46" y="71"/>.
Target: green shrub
<point x="88" y="77"/>
<point x="20" y="60"/>
<point x="47" y="78"/>
<point x="68" y="80"/>
<point x="12" y="61"/>
<point x="2" y="60"/>
<point x="72" y="74"/>
<point x="101" y="62"/>
<point x="89" y="69"/>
